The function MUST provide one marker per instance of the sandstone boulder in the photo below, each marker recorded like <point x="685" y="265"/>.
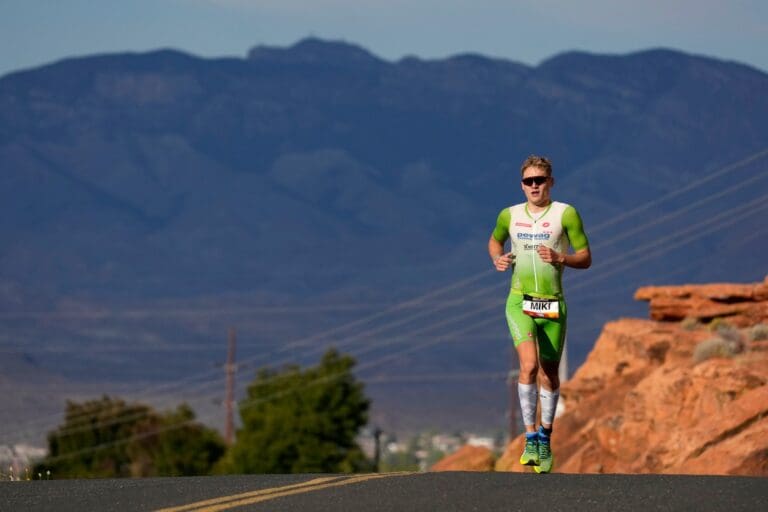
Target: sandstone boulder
<point x="467" y="458"/>
<point x="740" y="304"/>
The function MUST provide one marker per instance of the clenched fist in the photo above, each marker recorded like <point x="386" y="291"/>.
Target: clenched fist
<point x="549" y="255"/>
<point x="503" y="262"/>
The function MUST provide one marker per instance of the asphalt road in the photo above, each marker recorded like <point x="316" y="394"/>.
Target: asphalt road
<point x="453" y="491"/>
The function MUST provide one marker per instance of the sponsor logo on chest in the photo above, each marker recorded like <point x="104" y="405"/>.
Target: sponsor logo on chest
<point x="534" y="236"/>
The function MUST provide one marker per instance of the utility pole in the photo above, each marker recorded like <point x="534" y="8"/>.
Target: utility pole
<point x="563" y="369"/>
<point x="377" y="449"/>
<point x="229" y="428"/>
<point x="514" y="404"/>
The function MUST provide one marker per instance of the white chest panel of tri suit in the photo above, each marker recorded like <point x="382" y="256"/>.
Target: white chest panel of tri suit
<point x="527" y="231"/>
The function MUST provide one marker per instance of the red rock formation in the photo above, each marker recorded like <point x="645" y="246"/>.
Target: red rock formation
<point x="467" y="458"/>
<point x="741" y="304"/>
<point x="641" y="404"/>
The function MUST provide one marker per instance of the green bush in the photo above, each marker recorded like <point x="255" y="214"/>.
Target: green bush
<point x="302" y="420"/>
<point x="109" y="437"/>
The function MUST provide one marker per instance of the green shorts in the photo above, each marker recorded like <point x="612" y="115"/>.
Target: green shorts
<point x="550" y="333"/>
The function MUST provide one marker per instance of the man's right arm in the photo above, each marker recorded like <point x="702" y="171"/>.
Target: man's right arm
<point x="496" y="242"/>
<point x="495" y="249"/>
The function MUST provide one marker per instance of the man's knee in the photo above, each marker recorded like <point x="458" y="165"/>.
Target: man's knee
<point x="529" y="369"/>
<point x="550" y="375"/>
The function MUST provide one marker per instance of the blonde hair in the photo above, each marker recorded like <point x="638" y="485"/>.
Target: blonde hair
<point x="541" y="162"/>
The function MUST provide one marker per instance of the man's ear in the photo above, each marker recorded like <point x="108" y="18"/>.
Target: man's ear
<point x="553" y="182"/>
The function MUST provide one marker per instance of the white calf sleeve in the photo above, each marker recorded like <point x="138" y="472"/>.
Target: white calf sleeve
<point x="527" y="394"/>
<point x="549" y="405"/>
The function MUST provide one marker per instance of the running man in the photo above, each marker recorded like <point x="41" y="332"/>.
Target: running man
<point x="540" y="232"/>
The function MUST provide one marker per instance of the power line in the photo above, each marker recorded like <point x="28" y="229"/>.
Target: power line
<point x="676" y="213"/>
<point x="306" y="340"/>
<point x="460" y="377"/>
<point x="678" y="191"/>
<point x="242" y="405"/>
<point x="191" y="312"/>
<point x="702" y="228"/>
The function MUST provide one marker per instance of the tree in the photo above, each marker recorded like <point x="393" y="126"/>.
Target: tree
<point x="176" y="445"/>
<point x="111" y="438"/>
<point x="302" y="421"/>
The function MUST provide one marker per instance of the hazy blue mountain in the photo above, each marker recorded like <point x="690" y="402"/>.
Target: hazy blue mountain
<point x="149" y="201"/>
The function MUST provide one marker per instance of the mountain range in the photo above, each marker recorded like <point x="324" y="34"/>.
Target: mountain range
<point x="318" y="195"/>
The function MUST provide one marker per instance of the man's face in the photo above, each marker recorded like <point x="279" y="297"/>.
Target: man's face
<point x="537" y="193"/>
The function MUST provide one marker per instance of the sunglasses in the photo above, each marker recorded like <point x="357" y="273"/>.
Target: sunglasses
<point x="539" y="180"/>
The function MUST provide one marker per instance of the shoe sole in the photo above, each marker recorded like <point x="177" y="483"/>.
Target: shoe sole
<point x="541" y="470"/>
<point x="531" y="462"/>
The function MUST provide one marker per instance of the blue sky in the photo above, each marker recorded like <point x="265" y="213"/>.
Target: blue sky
<point x="34" y="32"/>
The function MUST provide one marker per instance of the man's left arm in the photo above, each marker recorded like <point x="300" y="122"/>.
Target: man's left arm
<point x="579" y="259"/>
<point x="574" y="228"/>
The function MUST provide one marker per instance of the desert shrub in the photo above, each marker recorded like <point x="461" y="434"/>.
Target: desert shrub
<point x="730" y="333"/>
<point x="716" y="323"/>
<point x="716" y="347"/>
<point x="759" y="332"/>
<point x="690" y="323"/>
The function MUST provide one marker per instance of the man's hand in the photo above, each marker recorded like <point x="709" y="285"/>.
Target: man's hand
<point x="549" y="255"/>
<point x="503" y="262"/>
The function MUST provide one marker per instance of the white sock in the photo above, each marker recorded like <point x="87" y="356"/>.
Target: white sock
<point x="527" y="394"/>
<point x="548" y="405"/>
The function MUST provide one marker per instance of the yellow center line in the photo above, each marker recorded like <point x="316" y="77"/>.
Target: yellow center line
<point x="248" y="498"/>
<point x="287" y="492"/>
<point x="260" y="492"/>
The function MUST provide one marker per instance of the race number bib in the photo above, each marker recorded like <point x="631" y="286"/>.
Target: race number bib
<point x="541" y="308"/>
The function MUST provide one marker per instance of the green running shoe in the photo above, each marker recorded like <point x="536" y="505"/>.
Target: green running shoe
<point x="530" y="456"/>
<point x="545" y="454"/>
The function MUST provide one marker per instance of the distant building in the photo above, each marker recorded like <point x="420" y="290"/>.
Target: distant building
<point x="486" y="442"/>
<point x="446" y="443"/>
<point x="16" y="460"/>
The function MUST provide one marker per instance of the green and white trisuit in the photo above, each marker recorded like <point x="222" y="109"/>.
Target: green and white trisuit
<point x="557" y="227"/>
